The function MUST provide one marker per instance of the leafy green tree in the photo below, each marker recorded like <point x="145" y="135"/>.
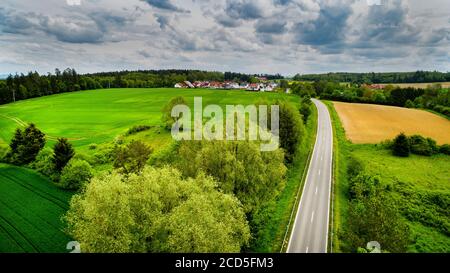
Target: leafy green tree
<point x="16" y="141"/>
<point x="62" y="153"/>
<point x="167" y="118"/>
<point x="44" y="164"/>
<point x="423" y="146"/>
<point x="401" y="146"/>
<point x="291" y="129"/>
<point x="76" y="174"/>
<point x="445" y="149"/>
<point x="376" y="218"/>
<point x="305" y="111"/>
<point x="132" y="158"/>
<point x="25" y="145"/>
<point x="284" y="84"/>
<point x="240" y="168"/>
<point x="156" y="211"/>
<point x="409" y="104"/>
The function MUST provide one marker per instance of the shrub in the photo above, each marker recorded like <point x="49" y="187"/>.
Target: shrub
<point x="445" y="149"/>
<point x="401" y="146"/>
<point x="92" y="146"/>
<point x="136" y="129"/>
<point x="409" y="104"/>
<point x="354" y="167"/>
<point x="420" y="145"/>
<point x="44" y="164"/>
<point x="104" y="154"/>
<point x="75" y="174"/>
<point x="132" y="158"/>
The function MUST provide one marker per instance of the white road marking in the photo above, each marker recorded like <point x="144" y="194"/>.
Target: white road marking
<point x="307" y="249"/>
<point x="317" y="189"/>
<point x="319" y="172"/>
<point x="312" y="217"/>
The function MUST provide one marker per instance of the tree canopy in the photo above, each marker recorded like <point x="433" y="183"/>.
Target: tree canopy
<point x="156" y="211"/>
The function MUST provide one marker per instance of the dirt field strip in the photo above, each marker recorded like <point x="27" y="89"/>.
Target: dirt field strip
<point x="368" y="123"/>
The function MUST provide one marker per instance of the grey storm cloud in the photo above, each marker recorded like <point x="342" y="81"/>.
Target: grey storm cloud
<point x="164" y="5"/>
<point x="107" y="19"/>
<point x="243" y="9"/>
<point x="271" y="26"/>
<point x="11" y="22"/>
<point x="389" y="24"/>
<point x="328" y="29"/>
<point x="162" y="20"/>
<point x="79" y="29"/>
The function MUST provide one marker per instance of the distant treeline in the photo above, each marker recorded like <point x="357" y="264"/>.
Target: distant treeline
<point x="20" y="86"/>
<point x="391" y="77"/>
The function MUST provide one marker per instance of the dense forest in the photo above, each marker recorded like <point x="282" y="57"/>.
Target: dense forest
<point x="368" y="78"/>
<point x="19" y="87"/>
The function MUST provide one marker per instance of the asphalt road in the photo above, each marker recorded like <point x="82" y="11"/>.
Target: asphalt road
<point x="310" y="230"/>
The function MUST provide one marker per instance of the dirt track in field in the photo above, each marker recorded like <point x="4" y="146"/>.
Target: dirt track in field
<point x="367" y="123"/>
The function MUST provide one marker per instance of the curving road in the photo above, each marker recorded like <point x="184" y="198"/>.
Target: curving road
<point x="310" y="230"/>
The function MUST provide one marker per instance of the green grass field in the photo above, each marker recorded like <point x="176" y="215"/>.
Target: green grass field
<point x="420" y="186"/>
<point x="30" y="212"/>
<point x="98" y="116"/>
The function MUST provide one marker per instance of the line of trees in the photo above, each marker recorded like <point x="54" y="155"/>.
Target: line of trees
<point x="368" y="78"/>
<point x="232" y="76"/>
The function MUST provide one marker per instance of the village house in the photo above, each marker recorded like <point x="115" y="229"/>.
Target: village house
<point x="185" y="84"/>
<point x="257" y="87"/>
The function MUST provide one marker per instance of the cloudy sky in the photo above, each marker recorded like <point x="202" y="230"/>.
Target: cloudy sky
<point x="251" y="36"/>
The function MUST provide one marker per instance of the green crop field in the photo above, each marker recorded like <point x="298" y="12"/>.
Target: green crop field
<point x="30" y="212"/>
<point x="99" y="116"/>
